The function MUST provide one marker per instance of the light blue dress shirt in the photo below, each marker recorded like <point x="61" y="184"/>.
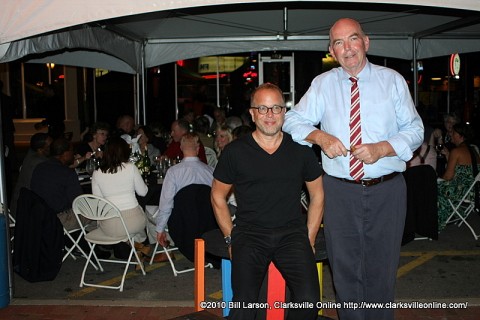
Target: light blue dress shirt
<point x="190" y="171"/>
<point x="387" y="114"/>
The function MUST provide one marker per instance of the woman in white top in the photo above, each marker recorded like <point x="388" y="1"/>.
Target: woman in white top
<point x="117" y="180"/>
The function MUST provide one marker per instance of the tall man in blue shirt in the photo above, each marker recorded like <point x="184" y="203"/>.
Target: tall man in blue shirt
<point x="365" y="213"/>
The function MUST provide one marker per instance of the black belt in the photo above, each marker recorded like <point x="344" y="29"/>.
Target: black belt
<point x="370" y="182"/>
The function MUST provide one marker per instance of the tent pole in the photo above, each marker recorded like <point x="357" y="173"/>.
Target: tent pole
<point x="218" y="83"/>
<point x="448" y="88"/>
<point x="175" y="74"/>
<point x="144" y="88"/>
<point x="24" y="95"/>
<point x="5" y="240"/>
<point x="94" y="82"/>
<point x="415" y="72"/>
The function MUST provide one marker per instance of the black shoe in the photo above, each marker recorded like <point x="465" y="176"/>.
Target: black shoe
<point x="102" y="254"/>
<point x="121" y="250"/>
<point x="76" y="253"/>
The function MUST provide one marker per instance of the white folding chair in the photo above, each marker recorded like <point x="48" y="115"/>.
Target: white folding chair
<point x="151" y="212"/>
<point x="304" y="200"/>
<point x="463" y="207"/>
<point x="11" y="224"/>
<point x="167" y="251"/>
<point x="96" y="208"/>
<point x="75" y="244"/>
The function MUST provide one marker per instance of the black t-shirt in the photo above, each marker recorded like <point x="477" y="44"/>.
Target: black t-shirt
<point x="267" y="187"/>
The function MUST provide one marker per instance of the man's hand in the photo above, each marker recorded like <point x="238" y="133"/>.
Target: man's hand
<point x="330" y="145"/>
<point x="162" y="239"/>
<point x="370" y="153"/>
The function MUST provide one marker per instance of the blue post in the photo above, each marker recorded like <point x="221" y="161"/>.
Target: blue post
<point x="226" y="285"/>
<point x="4" y="281"/>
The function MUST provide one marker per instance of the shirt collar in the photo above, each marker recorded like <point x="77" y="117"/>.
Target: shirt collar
<point x="189" y="159"/>
<point x="364" y="74"/>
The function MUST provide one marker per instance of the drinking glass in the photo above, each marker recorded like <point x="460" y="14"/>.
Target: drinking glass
<point x="439" y="148"/>
<point x="90" y="166"/>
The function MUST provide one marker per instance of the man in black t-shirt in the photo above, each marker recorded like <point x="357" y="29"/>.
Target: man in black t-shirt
<point x="267" y="171"/>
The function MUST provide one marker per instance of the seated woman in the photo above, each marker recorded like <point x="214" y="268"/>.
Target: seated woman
<point x="424" y="155"/>
<point x="92" y="144"/>
<point x="117" y="180"/>
<point x="145" y="143"/>
<point x="458" y="174"/>
<point x="223" y="136"/>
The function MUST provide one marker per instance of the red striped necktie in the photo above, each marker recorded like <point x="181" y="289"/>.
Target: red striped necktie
<point x="356" y="166"/>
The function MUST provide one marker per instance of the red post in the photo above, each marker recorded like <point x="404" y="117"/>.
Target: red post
<point x="275" y="292"/>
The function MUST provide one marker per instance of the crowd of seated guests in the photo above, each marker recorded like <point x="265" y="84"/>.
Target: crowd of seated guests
<point x="48" y="168"/>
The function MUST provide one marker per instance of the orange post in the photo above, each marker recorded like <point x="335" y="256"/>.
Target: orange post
<point x="199" y="273"/>
<point x="275" y="292"/>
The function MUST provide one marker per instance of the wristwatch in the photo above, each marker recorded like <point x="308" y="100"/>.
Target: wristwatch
<point x="228" y="240"/>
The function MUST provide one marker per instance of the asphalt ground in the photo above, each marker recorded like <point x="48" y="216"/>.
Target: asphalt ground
<point x="446" y="270"/>
<point x="443" y="270"/>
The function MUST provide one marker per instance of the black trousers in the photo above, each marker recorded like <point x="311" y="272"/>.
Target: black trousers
<point x="363" y="233"/>
<point x="289" y="249"/>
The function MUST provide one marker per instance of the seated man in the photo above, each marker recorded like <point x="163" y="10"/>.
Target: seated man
<point x="38" y="153"/>
<point x="179" y="129"/>
<point x="190" y="171"/>
<point x="58" y="184"/>
<point x="125" y="125"/>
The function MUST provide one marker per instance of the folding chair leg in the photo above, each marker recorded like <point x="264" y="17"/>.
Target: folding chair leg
<point x="170" y="260"/>
<point x="75" y="244"/>
<point x="462" y="219"/>
<point x="127" y="263"/>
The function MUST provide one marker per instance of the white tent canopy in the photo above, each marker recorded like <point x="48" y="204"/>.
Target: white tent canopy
<point x="125" y="35"/>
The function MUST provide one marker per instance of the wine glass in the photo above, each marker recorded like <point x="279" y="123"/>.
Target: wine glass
<point x="439" y="148"/>
<point x="90" y="166"/>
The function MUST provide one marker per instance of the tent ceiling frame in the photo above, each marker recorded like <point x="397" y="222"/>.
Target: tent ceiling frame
<point x="460" y="23"/>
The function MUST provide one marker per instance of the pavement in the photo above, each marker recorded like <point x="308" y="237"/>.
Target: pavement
<point x="442" y="273"/>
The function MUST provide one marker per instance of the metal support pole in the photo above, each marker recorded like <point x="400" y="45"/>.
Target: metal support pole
<point x="218" y="82"/>
<point x="175" y="74"/>
<point x="415" y="72"/>
<point x="6" y="279"/>
<point x="24" y="95"/>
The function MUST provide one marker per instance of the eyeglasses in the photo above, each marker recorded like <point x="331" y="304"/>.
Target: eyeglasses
<point x="276" y="109"/>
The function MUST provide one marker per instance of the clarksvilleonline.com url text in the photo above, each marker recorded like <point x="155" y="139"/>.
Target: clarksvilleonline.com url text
<point x="396" y="305"/>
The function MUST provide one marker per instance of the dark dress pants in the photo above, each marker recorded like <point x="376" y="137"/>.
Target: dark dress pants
<point x="289" y="249"/>
<point x="363" y="232"/>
